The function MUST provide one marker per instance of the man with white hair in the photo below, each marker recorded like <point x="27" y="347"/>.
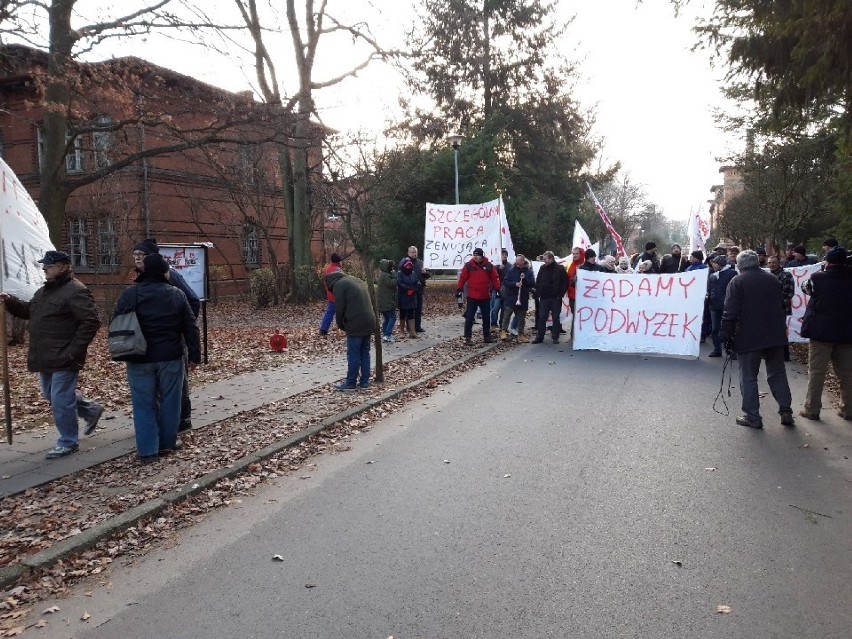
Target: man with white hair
<point x="754" y="325"/>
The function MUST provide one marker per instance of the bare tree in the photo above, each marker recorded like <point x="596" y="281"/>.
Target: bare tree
<point x="306" y="32"/>
<point x="64" y="85"/>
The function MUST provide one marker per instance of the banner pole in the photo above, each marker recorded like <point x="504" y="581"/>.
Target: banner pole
<point x="4" y="355"/>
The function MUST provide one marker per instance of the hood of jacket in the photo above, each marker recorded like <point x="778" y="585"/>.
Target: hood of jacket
<point x="333" y="278"/>
<point x="385" y="266"/>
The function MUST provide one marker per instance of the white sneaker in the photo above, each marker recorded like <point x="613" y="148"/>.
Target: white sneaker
<point x="385" y="338"/>
<point x="513" y="331"/>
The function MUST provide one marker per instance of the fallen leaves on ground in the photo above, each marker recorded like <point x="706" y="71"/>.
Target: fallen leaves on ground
<point x="42" y="516"/>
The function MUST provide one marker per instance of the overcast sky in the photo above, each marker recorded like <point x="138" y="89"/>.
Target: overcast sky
<point x="653" y="96"/>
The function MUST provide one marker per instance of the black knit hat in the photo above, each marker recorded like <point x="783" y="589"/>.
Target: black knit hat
<point x="147" y="246"/>
<point x="590" y="253"/>
<point x="335" y="258"/>
<point x="155" y="263"/>
<point x="698" y="255"/>
<point x="650" y="245"/>
<point x="837" y="255"/>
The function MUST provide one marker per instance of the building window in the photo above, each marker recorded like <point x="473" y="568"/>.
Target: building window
<point x="102" y="141"/>
<point x="251" y="246"/>
<point x="73" y="159"/>
<point x="107" y="242"/>
<point x="78" y="241"/>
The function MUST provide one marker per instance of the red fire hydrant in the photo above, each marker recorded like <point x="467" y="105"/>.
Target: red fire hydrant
<point x="278" y="342"/>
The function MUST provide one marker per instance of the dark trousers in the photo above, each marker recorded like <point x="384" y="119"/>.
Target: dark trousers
<point x="418" y="311"/>
<point x="185" y="401"/>
<point x="484" y="307"/>
<point x="776" y="376"/>
<point x="552" y="306"/>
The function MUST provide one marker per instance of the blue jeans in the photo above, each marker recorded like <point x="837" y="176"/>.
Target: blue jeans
<point x="483" y="306"/>
<point x="776" y="377"/>
<point x="388" y="323"/>
<point x="155" y="390"/>
<point x="715" y="325"/>
<point x="496" y="306"/>
<point x="328" y="317"/>
<point x="358" y="359"/>
<point x="60" y="389"/>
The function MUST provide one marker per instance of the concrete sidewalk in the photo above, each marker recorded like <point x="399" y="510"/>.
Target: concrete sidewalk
<point x="23" y="466"/>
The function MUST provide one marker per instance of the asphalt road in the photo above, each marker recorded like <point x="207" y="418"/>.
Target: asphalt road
<point x="585" y="495"/>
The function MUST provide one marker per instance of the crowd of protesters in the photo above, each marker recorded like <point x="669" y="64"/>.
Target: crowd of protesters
<point x="749" y="298"/>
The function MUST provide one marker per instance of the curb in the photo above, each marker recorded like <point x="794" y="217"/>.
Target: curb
<point x="11" y="574"/>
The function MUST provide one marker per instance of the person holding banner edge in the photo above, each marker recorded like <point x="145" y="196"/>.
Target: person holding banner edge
<point x="63" y="322"/>
<point x="551" y="284"/>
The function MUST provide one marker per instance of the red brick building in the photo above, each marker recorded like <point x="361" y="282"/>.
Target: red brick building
<point x="221" y="184"/>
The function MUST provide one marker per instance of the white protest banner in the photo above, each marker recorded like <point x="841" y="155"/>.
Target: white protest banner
<point x="454" y="230"/>
<point x="24" y="238"/>
<point x="801" y="274"/>
<point x="640" y="313"/>
<point x="505" y="234"/>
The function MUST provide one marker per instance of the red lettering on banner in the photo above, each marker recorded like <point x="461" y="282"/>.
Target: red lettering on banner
<point x="608" y="288"/>
<point x="625" y="287"/>
<point x="686" y="286"/>
<point x="661" y="285"/>
<point x="644" y="285"/>
<point x="663" y="325"/>
<point x="591" y="285"/>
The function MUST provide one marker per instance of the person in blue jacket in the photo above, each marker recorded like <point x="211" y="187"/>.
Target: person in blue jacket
<point x="717" y="285"/>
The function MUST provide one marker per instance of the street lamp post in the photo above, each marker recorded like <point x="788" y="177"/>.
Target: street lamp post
<point x="455" y="140"/>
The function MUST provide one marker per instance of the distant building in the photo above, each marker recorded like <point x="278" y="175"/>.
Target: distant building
<point x="228" y="193"/>
<point x="732" y="185"/>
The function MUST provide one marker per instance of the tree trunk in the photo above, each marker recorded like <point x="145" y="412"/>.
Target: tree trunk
<point x="53" y="194"/>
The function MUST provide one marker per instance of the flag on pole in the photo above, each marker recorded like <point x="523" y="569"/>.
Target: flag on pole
<point x="505" y="234"/>
<point x="581" y="238"/>
<point x="698" y="231"/>
<point x="619" y="245"/>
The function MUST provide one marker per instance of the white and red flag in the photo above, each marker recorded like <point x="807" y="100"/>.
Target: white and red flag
<point x="505" y="234"/>
<point x="619" y="245"/>
<point x="698" y="231"/>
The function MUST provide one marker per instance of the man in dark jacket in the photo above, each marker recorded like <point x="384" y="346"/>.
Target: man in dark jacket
<point x="717" y="285"/>
<point x="828" y="325"/>
<point x="788" y="289"/>
<point x="355" y="317"/>
<point x="480" y="275"/>
<point x="674" y="262"/>
<point x="551" y="284"/>
<point x="591" y="262"/>
<point x="650" y="254"/>
<point x="63" y="322"/>
<point x="755" y="326"/>
<point x="156" y="378"/>
<point x="147" y="247"/>
<point x="800" y="258"/>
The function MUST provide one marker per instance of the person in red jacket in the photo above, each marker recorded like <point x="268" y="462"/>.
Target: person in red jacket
<point x="481" y="278"/>
<point x="328" y="316"/>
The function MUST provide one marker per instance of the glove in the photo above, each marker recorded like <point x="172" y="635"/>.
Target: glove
<point x="729" y="345"/>
<point x="459" y="298"/>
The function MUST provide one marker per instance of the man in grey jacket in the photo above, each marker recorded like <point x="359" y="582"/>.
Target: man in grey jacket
<point x="63" y="322"/>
